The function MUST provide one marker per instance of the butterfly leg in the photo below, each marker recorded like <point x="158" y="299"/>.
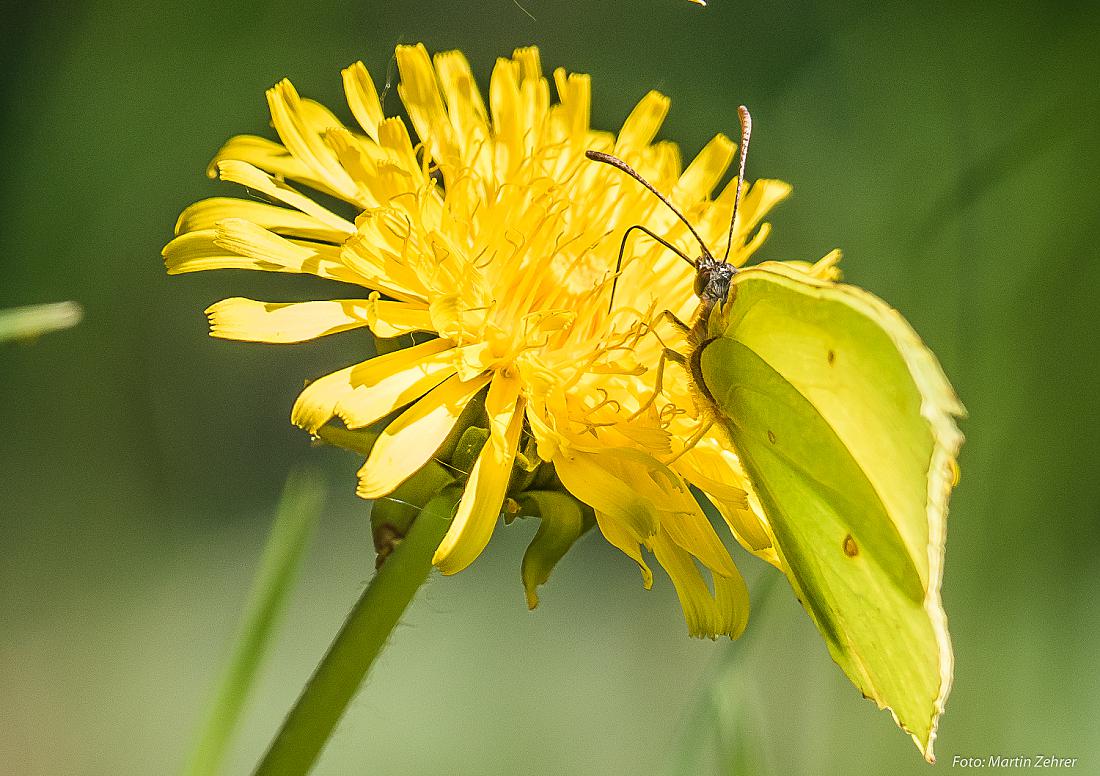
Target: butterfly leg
<point x="667" y="355"/>
<point x="701" y="432"/>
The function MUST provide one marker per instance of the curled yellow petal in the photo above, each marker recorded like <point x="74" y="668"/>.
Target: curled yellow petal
<point x="693" y="533"/>
<point x="726" y="612"/>
<point x="717" y="472"/>
<point x="270" y="157"/>
<point x="731" y="600"/>
<point x="208" y="249"/>
<point x="480" y="505"/>
<point x="283" y="221"/>
<point x="254" y="178"/>
<point x="621" y="537"/>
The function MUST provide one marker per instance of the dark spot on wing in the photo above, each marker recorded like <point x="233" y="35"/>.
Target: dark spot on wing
<point x="851" y="549"/>
<point x="771" y="437"/>
<point x="832" y="356"/>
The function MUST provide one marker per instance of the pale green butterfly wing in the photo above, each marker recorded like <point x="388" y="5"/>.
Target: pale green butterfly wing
<point x="845" y="424"/>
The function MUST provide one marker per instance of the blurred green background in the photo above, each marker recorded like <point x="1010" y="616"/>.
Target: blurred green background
<point x="950" y="149"/>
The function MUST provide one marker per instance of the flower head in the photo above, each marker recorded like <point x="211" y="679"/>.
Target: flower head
<point x="492" y="233"/>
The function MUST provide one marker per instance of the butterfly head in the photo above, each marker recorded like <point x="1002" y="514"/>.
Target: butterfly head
<point x="712" y="279"/>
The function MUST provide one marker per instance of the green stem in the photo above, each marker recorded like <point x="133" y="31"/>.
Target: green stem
<point x="325" y="697"/>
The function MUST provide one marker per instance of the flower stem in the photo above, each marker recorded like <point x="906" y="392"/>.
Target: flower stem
<point x="325" y="697"/>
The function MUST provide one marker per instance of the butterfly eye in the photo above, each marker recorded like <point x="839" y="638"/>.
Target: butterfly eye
<point x="702" y="280"/>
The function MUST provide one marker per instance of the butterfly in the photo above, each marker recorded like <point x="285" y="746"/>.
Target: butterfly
<point x="846" y="426"/>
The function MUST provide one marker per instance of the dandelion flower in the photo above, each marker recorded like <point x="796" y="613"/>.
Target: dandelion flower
<point x="494" y="235"/>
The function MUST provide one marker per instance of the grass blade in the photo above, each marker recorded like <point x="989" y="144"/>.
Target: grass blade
<point x="295" y="521"/>
<point x="32" y="321"/>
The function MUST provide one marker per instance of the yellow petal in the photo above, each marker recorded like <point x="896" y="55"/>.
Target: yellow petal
<point x="302" y="133"/>
<point x="575" y="95"/>
<point x="254" y="178"/>
<point x="389" y="319"/>
<point x="368" y="254"/>
<point x="649" y="479"/>
<point x="622" y="538"/>
<point x="762" y="196"/>
<point x="747" y="529"/>
<point x="717" y="472"/>
<point x="368" y="166"/>
<point x="726" y="612"/>
<point x="393" y="137"/>
<point x="529" y="62"/>
<point x="419" y="92"/>
<point x="731" y="598"/>
<point x="253" y="321"/>
<point x="366" y="389"/>
<point x="465" y="107"/>
<point x="269" y="156"/>
<point x="740" y="255"/>
<point x="693" y="533"/>
<point x="241" y="245"/>
<point x="363" y="98"/>
<point x="281" y="220"/>
<point x="682" y="522"/>
<point x="410" y="441"/>
<point x="504" y="105"/>
<point x="248" y="239"/>
<point x="480" y="505"/>
<point x="534" y="94"/>
<point x="705" y="170"/>
<point x="586" y="478"/>
<point x="642" y="124"/>
<point x="825" y="268"/>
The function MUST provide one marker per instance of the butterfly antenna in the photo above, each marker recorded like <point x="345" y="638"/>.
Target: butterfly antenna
<point x="619" y="164"/>
<point x="746" y="131"/>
